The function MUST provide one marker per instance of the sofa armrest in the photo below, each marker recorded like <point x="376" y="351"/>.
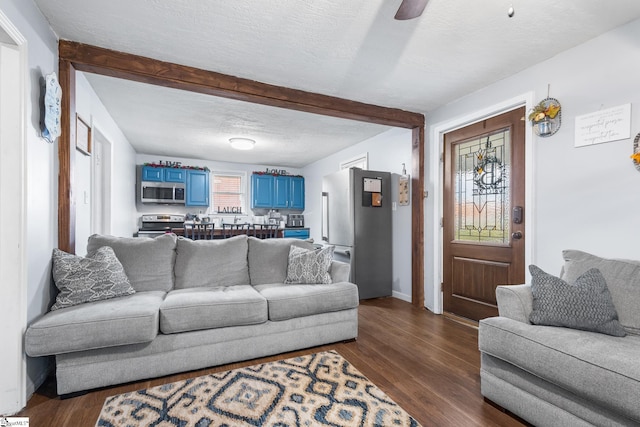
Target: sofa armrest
<point x="515" y="302"/>
<point x="339" y="271"/>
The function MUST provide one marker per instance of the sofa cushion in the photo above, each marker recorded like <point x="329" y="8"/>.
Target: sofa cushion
<point x="202" y="263"/>
<point x="113" y="322"/>
<point x="584" y="304"/>
<point x="268" y="258"/>
<point x="309" y="266"/>
<point x="211" y="307"/>
<point x="290" y="301"/>
<point x="147" y="262"/>
<point x="623" y="281"/>
<point x="94" y="278"/>
<point x="597" y="367"/>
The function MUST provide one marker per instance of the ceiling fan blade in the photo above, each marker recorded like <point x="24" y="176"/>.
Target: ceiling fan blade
<point x="410" y="9"/>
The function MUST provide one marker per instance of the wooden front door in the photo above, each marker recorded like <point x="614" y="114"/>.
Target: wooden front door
<point x="483" y="223"/>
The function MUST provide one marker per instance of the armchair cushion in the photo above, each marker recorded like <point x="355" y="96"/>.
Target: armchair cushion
<point x="623" y="281"/>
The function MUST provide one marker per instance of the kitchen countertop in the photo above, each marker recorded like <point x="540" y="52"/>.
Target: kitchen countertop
<point x="219" y="232"/>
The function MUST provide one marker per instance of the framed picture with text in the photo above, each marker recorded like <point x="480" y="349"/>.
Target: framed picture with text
<point x="83" y="136"/>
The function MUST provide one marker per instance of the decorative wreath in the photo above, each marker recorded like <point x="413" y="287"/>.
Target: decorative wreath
<point x="636" y="152"/>
<point x="488" y="173"/>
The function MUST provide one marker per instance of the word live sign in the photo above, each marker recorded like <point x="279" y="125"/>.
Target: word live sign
<point x="229" y="209"/>
<point x="277" y="171"/>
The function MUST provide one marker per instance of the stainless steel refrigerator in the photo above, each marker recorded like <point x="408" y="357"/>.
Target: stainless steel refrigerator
<point x="356" y="218"/>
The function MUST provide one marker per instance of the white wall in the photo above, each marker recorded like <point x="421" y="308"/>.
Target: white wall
<point x="583" y="198"/>
<point x="387" y="152"/>
<point x="41" y="176"/>
<point x="123" y="209"/>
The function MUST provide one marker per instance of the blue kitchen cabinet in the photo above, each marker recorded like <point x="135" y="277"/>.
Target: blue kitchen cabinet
<point x="281" y="187"/>
<point x="296" y="233"/>
<point x="277" y="192"/>
<point x="262" y="191"/>
<point x="149" y="173"/>
<point x="296" y="193"/>
<point x="174" y="175"/>
<point x="197" y="186"/>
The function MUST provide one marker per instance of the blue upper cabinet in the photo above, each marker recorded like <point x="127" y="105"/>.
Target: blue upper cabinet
<point x="281" y="184"/>
<point x="262" y="191"/>
<point x="197" y="183"/>
<point x="174" y="175"/>
<point x="149" y="173"/>
<point x="296" y="193"/>
<point x="277" y="192"/>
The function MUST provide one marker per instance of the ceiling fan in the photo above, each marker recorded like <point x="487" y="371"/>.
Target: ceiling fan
<point x="410" y="9"/>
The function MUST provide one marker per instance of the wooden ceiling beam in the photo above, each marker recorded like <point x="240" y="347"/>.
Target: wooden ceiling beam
<point x="146" y="70"/>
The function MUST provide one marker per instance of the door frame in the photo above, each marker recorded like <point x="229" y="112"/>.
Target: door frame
<point x="436" y="149"/>
<point x="99" y="139"/>
<point x="13" y="212"/>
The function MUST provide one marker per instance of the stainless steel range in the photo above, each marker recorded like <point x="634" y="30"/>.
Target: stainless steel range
<point x="153" y="225"/>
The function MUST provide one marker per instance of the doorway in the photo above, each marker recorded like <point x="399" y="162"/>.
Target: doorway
<point x="13" y="299"/>
<point x="101" y="184"/>
<point x="483" y="207"/>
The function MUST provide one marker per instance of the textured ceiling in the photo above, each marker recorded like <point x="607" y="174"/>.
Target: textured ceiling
<point x="172" y="122"/>
<point x="350" y="49"/>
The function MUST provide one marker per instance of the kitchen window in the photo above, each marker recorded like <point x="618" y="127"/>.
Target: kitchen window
<point x="228" y="193"/>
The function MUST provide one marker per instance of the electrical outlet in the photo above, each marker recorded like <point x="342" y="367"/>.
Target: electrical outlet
<point x="394" y="206"/>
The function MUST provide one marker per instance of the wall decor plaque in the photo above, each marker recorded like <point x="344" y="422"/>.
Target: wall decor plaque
<point x="602" y="126"/>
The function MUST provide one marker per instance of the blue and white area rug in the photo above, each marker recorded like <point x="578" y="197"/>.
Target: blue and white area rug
<point x="320" y="389"/>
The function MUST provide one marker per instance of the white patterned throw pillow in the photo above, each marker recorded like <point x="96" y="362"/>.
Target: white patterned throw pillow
<point x="97" y="277"/>
<point x="309" y="266"/>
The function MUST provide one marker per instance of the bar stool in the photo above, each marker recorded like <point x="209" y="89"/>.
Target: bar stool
<point x="230" y="230"/>
<point x="199" y="231"/>
<point x="267" y="231"/>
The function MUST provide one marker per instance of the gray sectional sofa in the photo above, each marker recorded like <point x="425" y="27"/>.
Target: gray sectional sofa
<point x="555" y="376"/>
<point x="196" y="304"/>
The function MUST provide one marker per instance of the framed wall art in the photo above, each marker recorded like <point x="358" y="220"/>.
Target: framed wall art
<point x="83" y="136"/>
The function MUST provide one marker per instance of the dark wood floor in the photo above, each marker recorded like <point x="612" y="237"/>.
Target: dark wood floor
<point x="428" y="364"/>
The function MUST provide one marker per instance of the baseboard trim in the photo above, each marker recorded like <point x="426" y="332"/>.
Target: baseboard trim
<point x="401" y="296"/>
<point x="462" y="320"/>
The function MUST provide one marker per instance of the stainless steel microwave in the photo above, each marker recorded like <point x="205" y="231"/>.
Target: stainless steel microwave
<point x="162" y="192"/>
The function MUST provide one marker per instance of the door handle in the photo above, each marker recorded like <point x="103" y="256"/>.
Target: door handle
<point x="516" y="235"/>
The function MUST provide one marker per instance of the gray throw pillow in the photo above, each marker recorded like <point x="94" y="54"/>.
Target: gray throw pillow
<point x="585" y="304"/>
<point x="309" y="266"/>
<point x="97" y="277"/>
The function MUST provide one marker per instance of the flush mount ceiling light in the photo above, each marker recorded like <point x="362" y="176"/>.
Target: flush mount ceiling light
<point x="242" y="143"/>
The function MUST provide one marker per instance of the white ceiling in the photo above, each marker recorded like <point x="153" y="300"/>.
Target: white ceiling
<point x="350" y="49"/>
